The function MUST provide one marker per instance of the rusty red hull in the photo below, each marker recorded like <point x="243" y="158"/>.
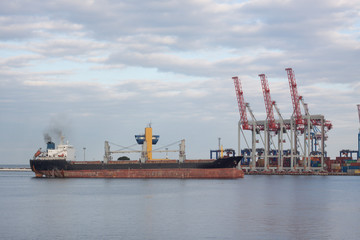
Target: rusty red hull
<point x="219" y="168"/>
<point x="216" y="173"/>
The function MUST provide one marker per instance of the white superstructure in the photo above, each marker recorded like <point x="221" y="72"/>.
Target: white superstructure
<point x="62" y="151"/>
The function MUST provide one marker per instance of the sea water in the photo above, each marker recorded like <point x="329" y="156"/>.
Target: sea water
<point x="256" y="207"/>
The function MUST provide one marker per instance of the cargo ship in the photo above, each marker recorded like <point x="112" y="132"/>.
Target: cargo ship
<point x="60" y="162"/>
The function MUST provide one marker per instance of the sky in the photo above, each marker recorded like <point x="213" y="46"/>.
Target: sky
<point x="103" y="70"/>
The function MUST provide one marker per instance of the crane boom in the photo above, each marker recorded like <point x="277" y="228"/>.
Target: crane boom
<point x="241" y="104"/>
<point x="294" y="96"/>
<point x="268" y="102"/>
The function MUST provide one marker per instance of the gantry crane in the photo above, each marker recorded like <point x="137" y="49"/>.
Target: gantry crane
<point x="346" y="152"/>
<point x="300" y="122"/>
<point x="280" y="127"/>
<point x="306" y="123"/>
<point x="359" y="133"/>
<point x="244" y="120"/>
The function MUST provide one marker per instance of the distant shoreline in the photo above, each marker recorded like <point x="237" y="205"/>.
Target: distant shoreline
<point x="15" y="169"/>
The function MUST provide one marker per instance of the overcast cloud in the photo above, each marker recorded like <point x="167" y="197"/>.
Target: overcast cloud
<point x="102" y="70"/>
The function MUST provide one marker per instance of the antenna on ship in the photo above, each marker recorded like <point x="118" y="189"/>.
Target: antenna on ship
<point x="61" y="139"/>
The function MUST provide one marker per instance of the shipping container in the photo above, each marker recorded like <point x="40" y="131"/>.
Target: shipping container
<point x="260" y="162"/>
<point x="335" y="166"/>
<point x="350" y="161"/>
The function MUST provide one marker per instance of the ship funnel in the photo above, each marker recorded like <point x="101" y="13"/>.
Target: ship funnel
<point x="50" y="145"/>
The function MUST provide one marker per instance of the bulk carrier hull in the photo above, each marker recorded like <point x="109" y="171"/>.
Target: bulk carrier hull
<point x="223" y="168"/>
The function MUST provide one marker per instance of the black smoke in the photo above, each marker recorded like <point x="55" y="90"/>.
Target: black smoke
<point x="47" y="138"/>
<point x="58" y="125"/>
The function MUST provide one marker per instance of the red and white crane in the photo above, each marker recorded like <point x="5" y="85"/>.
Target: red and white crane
<point x="268" y="103"/>
<point x="241" y="104"/>
<point x="296" y="99"/>
<point x="294" y="96"/>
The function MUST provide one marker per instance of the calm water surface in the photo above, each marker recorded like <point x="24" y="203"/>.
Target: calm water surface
<point x="256" y="207"/>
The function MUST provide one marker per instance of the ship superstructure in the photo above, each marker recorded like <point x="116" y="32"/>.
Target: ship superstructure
<point x="61" y="151"/>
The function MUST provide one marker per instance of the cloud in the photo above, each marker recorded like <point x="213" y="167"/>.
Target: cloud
<point x="18" y="61"/>
<point x="25" y="27"/>
<point x="63" y="47"/>
<point x="159" y="37"/>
